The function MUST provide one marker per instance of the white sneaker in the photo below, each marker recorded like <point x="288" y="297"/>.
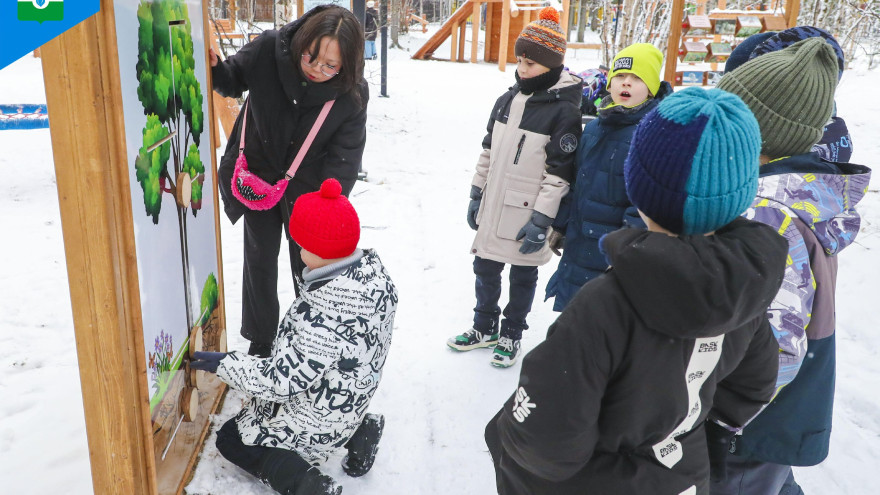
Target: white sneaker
<point x="506" y="352"/>
<point x="472" y="339"/>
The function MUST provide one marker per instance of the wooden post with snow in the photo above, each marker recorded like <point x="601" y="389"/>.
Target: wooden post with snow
<point x="130" y="452"/>
<point x="505" y="34"/>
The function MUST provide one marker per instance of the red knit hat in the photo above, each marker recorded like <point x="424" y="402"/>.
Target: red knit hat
<point x="325" y="223"/>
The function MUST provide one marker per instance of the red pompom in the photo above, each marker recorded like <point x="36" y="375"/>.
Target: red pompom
<point x="331" y="188"/>
<point x="549" y="14"/>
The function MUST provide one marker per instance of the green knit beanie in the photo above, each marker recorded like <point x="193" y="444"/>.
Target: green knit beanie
<point x="791" y="93"/>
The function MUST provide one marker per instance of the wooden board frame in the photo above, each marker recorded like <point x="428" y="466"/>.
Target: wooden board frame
<point x="83" y="92"/>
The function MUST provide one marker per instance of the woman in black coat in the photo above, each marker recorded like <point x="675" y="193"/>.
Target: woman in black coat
<point x="289" y="74"/>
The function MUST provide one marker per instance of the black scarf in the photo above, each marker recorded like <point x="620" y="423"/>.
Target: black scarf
<point x="538" y="83"/>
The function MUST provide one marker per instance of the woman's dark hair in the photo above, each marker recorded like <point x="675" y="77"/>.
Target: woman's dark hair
<point x="339" y="24"/>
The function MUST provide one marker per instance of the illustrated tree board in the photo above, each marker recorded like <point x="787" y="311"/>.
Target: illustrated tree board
<point x="129" y="93"/>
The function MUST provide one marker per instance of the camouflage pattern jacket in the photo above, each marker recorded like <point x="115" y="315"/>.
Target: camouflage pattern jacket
<point x="811" y="202"/>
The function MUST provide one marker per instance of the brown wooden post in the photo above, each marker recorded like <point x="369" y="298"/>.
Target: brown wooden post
<point x="475" y="31"/>
<point x="487" y="50"/>
<point x="675" y="19"/>
<point x="453" y="49"/>
<point x="792" y="9"/>
<point x="505" y="33"/>
<point x="461" y="38"/>
<point x="88" y="143"/>
<point x="299" y="8"/>
<point x="566" y="8"/>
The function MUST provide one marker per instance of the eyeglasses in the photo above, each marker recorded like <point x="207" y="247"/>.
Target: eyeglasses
<point x="327" y="70"/>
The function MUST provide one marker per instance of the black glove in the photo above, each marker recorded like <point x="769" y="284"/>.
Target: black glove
<point x="474" y="206"/>
<point x="718" y="439"/>
<point x="207" y="361"/>
<point x="534" y="233"/>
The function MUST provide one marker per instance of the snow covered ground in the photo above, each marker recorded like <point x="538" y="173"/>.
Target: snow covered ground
<point x="422" y="144"/>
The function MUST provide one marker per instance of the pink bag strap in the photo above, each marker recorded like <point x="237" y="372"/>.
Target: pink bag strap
<point x="325" y="110"/>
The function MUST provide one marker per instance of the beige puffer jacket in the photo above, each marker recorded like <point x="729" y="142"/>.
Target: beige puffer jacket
<point x="526" y="164"/>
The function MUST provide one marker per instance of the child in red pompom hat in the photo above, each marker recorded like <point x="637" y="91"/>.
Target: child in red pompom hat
<point x="337" y="331"/>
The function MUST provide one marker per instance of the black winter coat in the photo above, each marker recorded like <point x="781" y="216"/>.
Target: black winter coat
<point x="614" y="401"/>
<point x="370" y="26"/>
<point x="282" y="106"/>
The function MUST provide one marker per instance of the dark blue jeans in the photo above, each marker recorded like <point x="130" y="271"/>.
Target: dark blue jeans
<point x="523" y="281"/>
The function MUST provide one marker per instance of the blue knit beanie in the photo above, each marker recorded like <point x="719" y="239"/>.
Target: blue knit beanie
<point x="693" y="162"/>
<point x="740" y="54"/>
<point x="784" y="39"/>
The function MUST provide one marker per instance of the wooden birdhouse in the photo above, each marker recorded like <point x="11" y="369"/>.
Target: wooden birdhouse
<point x="747" y="25"/>
<point x="711" y="77"/>
<point x="724" y="26"/>
<point x="718" y="52"/>
<point x="689" y="78"/>
<point x="773" y="23"/>
<point x="692" y="51"/>
<point x="696" y="25"/>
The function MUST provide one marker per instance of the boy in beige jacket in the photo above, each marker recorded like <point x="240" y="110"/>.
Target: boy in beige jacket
<point x="522" y="174"/>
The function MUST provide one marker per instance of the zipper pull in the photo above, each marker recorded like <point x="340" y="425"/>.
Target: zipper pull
<point x="519" y="148"/>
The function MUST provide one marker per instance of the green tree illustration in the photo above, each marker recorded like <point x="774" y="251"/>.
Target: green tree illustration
<point x="172" y="99"/>
<point x="209" y="298"/>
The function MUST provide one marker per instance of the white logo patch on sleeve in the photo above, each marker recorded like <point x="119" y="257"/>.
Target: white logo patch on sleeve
<point x="568" y="143"/>
<point x="522" y="405"/>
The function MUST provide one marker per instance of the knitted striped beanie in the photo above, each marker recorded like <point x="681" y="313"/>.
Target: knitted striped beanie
<point x="693" y="162"/>
<point x="542" y="40"/>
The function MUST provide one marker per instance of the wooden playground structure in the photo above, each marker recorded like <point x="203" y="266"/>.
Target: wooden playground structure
<point x="698" y="43"/>
<point x="505" y="19"/>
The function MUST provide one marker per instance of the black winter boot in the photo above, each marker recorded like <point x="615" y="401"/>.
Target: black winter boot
<point x="316" y="483"/>
<point x="363" y="446"/>
<point x="289" y="474"/>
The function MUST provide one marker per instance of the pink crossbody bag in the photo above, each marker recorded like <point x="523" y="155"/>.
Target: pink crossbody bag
<point x="254" y="192"/>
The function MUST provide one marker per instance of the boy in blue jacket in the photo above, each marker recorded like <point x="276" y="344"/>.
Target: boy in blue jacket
<point x="597" y="203"/>
<point x="810" y="202"/>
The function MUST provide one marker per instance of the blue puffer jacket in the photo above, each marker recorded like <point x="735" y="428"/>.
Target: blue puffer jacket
<point x="597" y="203"/>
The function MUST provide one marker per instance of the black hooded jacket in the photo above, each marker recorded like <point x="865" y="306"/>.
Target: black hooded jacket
<point x="282" y="106"/>
<point x="613" y="402"/>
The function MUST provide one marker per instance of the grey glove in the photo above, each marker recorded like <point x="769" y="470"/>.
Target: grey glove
<point x="474" y="206"/>
<point x="556" y="240"/>
<point x="534" y="233"/>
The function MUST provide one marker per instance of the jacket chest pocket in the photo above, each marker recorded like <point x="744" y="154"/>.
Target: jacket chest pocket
<point x="515" y="212"/>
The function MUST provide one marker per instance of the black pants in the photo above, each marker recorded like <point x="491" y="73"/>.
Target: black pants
<point x="282" y="469"/>
<point x="523" y="281"/>
<point x="263" y="232"/>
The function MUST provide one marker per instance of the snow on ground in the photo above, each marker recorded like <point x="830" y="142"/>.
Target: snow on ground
<point x="423" y="141"/>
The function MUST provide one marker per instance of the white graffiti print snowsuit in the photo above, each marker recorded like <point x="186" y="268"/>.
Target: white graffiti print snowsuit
<point x="312" y="393"/>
